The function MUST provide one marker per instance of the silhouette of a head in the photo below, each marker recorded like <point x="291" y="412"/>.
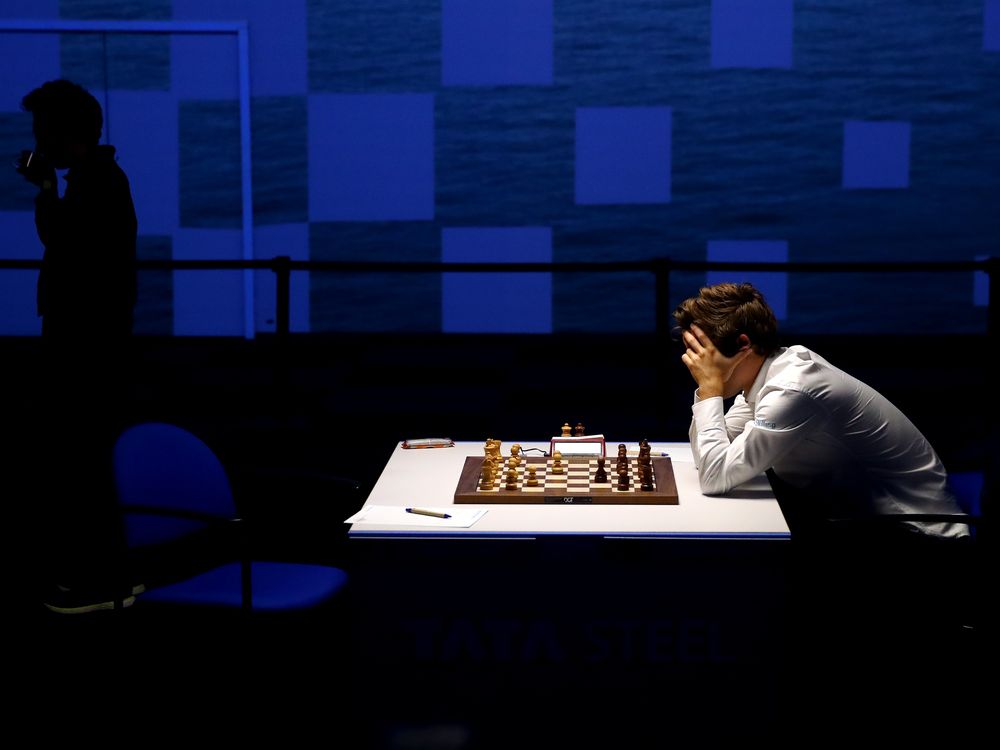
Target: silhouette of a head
<point x="67" y="120"/>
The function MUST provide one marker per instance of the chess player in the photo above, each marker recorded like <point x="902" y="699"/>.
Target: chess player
<point x="839" y="445"/>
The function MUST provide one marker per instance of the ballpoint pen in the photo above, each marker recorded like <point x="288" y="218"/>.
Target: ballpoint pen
<point x="421" y="512"/>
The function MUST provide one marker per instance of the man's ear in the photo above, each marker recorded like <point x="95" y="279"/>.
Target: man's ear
<point x="744" y="342"/>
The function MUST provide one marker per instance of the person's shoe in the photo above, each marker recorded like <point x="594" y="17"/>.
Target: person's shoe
<point x="67" y="602"/>
<point x="138" y="588"/>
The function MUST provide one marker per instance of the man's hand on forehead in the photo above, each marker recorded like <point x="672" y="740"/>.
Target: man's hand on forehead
<point x="709" y="367"/>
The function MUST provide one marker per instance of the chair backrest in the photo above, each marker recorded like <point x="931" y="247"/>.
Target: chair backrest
<point x="159" y="465"/>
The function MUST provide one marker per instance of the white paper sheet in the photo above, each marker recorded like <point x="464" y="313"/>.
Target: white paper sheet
<point x="394" y="515"/>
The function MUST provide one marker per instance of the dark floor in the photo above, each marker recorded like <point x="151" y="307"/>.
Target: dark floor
<point x="339" y="405"/>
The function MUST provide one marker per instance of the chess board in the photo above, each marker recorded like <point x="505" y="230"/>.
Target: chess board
<point x="575" y="486"/>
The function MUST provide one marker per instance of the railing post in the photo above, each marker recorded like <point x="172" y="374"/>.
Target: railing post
<point x="993" y="309"/>
<point x="283" y="279"/>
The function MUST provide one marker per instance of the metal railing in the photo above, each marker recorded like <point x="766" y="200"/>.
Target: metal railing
<point x="661" y="268"/>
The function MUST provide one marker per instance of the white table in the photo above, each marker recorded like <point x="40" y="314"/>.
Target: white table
<point x="551" y="607"/>
<point x="428" y="477"/>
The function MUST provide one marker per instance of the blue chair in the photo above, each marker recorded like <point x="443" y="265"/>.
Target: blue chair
<point x="184" y="536"/>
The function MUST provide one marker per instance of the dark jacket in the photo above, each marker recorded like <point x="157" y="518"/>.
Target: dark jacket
<point x="87" y="285"/>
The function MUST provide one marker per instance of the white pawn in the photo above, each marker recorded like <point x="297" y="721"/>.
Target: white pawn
<point x="557" y="467"/>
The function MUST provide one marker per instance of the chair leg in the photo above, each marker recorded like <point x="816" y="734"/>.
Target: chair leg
<point x="246" y="586"/>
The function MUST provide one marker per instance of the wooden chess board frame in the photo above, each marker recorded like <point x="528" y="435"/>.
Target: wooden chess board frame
<point x="576" y="486"/>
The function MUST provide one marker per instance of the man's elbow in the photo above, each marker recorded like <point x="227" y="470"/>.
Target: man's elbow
<point x="713" y="485"/>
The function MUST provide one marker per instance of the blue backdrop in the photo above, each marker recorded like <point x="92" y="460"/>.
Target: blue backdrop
<point x="564" y="130"/>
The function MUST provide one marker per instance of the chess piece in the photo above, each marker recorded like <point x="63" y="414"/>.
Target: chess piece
<point x="514" y="461"/>
<point x="646" y="478"/>
<point x="493" y="449"/>
<point x="623" y="479"/>
<point x="557" y="467"/>
<point x="580" y="431"/>
<point x="600" y="476"/>
<point x="515" y="450"/>
<point x="511" y="480"/>
<point x="489" y="473"/>
<point x="566" y="430"/>
<point x="645" y="451"/>
<point x="532" y="479"/>
<point x="621" y="450"/>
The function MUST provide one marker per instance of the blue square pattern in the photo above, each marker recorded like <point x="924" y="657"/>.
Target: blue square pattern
<point x="142" y="125"/>
<point x="208" y="303"/>
<point x="116" y="60"/>
<point x="204" y="66"/>
<point x="278" y="39"/>
<point x="773" y="285"/>
<point x="371" y="157"/>
<point x="280" y="160"/>
<point x="980" y="287"/>
<point x="271" y="241"/>
<point x="876" y="154"/>
<point x="18" y="312"/>
<point x="496" y="42"/>
<point x="34" y="9"/>
<point x="374" y="45"/>
<point x="623" y="155"/>
<point x="29" y="60"/>
<point x="138" y="62"/>
<point x="752" y="33"/>
<point x="991" y="26"/>
<point x="496" y="302"/>
<point x="211" y="165"/>
<point x="115" y="9"/>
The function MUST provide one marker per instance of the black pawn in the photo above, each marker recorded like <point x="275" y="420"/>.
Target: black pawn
<point x="623" y="479"/>
<point x="601" y="476"/>
<point x="646" y="479"/>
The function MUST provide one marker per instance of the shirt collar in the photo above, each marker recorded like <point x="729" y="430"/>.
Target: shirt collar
<point x="758" y="383"/>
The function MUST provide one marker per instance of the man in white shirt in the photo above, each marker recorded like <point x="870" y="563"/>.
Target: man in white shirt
<point x="839" y="443"/>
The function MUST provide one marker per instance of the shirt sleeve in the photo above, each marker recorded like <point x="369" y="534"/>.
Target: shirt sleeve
<point x="737" y="417"/>
<point x="781" y="419"/>
<point x="736" y="420"/>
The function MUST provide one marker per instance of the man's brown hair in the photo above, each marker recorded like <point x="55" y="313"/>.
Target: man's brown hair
<point x="725" y="311"/>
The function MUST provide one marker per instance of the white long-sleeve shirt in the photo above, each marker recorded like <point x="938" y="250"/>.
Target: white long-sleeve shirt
<point x="826" y="432"/>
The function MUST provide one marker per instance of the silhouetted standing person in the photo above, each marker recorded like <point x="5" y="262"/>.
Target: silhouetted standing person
<point x="86" y="296"/>
<point x="87" y="286"/>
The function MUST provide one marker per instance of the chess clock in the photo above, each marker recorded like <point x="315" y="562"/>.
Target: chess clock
<point x="578" y="445"/>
